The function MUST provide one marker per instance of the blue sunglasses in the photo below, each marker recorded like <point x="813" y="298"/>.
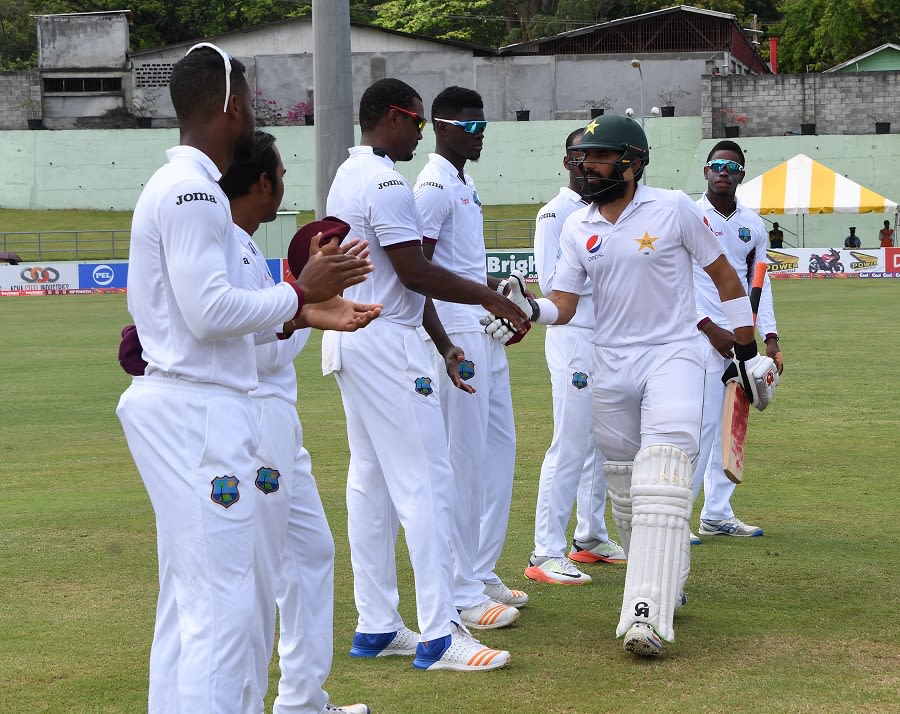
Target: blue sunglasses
<point x="732" y="167"/>
<point x="471" y="126"/>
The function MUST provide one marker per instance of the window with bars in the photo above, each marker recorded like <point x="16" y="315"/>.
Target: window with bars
<point x="82" y="84"/>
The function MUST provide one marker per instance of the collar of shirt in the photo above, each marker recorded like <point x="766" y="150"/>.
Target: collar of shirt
<point x="705" y="204"/>
<point x="358" y="150"/>
<point x="642" y="194"/>
<point x="197" y="156"/>
<point x="570" y="195"/>
<point x="447" y="167"/>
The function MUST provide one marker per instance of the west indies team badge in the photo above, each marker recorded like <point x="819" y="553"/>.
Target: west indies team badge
<point x="423" y="386"/>
<point x="466" y="369"/>
<point x="579" y="380"/>
<point x="225" y="490"/>
<point x="267" y="479"/>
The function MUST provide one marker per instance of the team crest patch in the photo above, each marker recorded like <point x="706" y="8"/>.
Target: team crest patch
<point x="466" y="369"/>
<point x="423" y="386"/>
<point x="267" y="479"/>
<point x="225" y="490"/>
<point x="744" y="234"/>
<point x="579" y="380"/>
<point x="645" y="243"/>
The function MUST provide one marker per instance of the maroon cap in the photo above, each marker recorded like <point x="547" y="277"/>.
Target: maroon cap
<point x="298" y="251"/>
<point x="131" y="352"/>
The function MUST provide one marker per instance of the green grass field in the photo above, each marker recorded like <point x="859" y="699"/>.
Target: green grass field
<point x="801" y="620"/>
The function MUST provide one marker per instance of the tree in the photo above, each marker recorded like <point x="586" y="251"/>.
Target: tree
<point x="818" y="34"/>
<point x="473" y="21"/>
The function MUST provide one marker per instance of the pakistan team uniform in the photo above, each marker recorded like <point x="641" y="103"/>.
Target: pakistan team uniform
<point x="399" y="470"/>
<point x="193" y="430"/>
<point x="294" y="558"/>
<point x="480" y="429"/>
<point x="573" y="465"/>
<point x="744" y="239"/>
<point x="649" y="371"/>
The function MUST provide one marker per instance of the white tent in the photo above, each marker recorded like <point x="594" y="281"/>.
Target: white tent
<point x="801" y="186"/>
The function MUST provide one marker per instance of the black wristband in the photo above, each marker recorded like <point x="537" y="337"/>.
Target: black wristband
<point x="744" y="352"/>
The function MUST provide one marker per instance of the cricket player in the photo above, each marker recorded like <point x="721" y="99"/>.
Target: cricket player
<point x="480" y="429"/>
<point x="742" y="235"/>
<point x="636" y="245"/>
<point x="190" y="425"/>
<point x="573" y="466"/>
<point x="294" y="558"/>
<point x="400" y="470"/>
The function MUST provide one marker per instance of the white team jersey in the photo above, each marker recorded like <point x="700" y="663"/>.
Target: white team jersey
<point x="274" y="358"/>
<point x="451" y="215"/>
<point x="378" y="204"/>
<point x="744" y="239"/>
<point x="547" y="229"/>
<point x="640" y="267"/>
<point x="182" y="272"/>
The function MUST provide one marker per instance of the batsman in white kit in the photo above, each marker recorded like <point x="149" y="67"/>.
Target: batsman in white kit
<point x="191" y="427"/>
<point x="636" y="244"/>
<point x="572" y="470"/>
<point x="399" y="471"/>
<point x="744" y="239"/>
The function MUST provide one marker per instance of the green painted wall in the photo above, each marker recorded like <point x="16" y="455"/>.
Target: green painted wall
<point x="521" y="164"/>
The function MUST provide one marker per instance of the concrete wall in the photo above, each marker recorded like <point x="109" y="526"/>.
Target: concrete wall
<point x="77" y="42"/>
<point x="521" y="164"/>
<point x="20" y="99"/>
<point x="775" y="105"/>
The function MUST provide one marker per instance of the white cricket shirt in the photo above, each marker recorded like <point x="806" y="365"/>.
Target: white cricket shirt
<point x="182" y="272"/>
<point x="378" y="204"/>
<point x="744" y="239"/>
<point x="640" y="267"/>
<point x="451" y="215"/>
<point x="547" y="228"/>
<point x="274" y="358"/>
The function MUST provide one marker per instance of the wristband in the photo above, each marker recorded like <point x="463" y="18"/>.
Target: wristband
<point x="703" y="323"/>
<point x="738" y="312"/>
<point x="771" y="336"/>
<point x="548" y="313"/>
<point x="742" y="353"/>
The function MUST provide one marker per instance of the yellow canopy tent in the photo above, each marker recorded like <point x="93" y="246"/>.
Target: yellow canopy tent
<point x="801" y="185"/>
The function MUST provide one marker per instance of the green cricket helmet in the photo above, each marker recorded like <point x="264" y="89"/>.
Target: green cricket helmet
<point x="617" y="133"/>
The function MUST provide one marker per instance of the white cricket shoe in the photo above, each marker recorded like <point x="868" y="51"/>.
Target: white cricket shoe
<point x="348" y="709"/>
<point x="489" y="615"/>
<point x="502" y="594"/>
<point x="556" y="571"/>
<point x="641" y="639"/>
<point x="459" y="652"/>
<point x="733" y="526"/>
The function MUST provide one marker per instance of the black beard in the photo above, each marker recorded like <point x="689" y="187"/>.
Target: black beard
<point x="606" y="191"/>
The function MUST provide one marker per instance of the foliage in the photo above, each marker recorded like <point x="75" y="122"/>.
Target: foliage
<point x="731" y="117"/>
<point x="270" y="113"/>
<point x="818" y="34"/>
<point x="144" y="101"/>
<point x="671" y="95"/>
<point x="32" y="107"/>
<point x="601" y="103"/>
<point x="472" y="21"/>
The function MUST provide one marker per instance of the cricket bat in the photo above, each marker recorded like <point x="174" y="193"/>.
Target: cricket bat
<point x="736" y="411"/>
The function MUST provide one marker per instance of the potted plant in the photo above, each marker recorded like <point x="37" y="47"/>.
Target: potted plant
<point x="597" y="106"/>
<point x="881" y="127"/>
<point x="267" y="111"/>
<point x="522" y="114"/>
<point x="33" y="111"/>
<point x="143" y="104"/>
<point x="300" y="113"/>
<point x="668" y="99"/>
<point x="732" y="122"/>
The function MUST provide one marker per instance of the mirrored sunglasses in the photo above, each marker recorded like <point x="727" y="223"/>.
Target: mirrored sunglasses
<point x="421" y="121"/>
<point x="226" y="59"/>
<point x="732" y="167"/>
<point x="472" y="126"/>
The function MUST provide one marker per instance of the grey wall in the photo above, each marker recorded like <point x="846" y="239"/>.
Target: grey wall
<point x="16" y="90"/>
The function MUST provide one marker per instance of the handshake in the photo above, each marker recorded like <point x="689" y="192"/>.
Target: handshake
<point x="501" y="329"/>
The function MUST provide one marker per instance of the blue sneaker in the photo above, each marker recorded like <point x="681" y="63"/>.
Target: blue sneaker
<point x="695" y="539"/>
<point x="385" y="644"/>
<point x="733" y="526"/>
<point x="459" y="652"/>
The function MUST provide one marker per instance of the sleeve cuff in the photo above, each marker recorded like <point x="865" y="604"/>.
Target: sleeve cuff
<point x="703" y="323"/>
<point x="300" y="299"/>
<point x="770" y="336"/>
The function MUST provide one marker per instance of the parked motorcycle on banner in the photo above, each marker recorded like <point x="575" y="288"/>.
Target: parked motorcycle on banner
<point x="829" y="262"/>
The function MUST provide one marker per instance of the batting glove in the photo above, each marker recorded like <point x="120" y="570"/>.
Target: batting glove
<point x="513" y="288"/>
<point x="502" y="330"/>
<point x="756" y="373"/>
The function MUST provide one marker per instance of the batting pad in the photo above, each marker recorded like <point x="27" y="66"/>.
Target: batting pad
<point x="661" y="500"/>
<point x="618" y="485"/>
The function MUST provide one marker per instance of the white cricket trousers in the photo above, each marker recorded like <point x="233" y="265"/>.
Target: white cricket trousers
<point x="294" y="566"/>
<point x="193" y="445"/>
<point x="482" y="443"/>
<point x="709" y="472"/>
<point x="573" y="465"/>
<point x="399" y="475"/>
<point x="649" y="394"/>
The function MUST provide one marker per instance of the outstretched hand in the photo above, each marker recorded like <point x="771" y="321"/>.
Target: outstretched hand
<point x="338" y="313"/>
<point x="455" y="359"/>
<point x="332" y="269"/>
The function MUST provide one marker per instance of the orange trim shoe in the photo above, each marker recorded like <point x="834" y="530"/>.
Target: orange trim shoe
<point x="608" y="552"/>
<point x="489" y="615"/>
<point x="556" y="571"/>
<point x="459" y="652"/>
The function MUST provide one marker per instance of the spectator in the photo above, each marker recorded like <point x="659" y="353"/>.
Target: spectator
<point x="886" y="236"/>
<point x="852" y="240"/>
<point x="776" y="236"/>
